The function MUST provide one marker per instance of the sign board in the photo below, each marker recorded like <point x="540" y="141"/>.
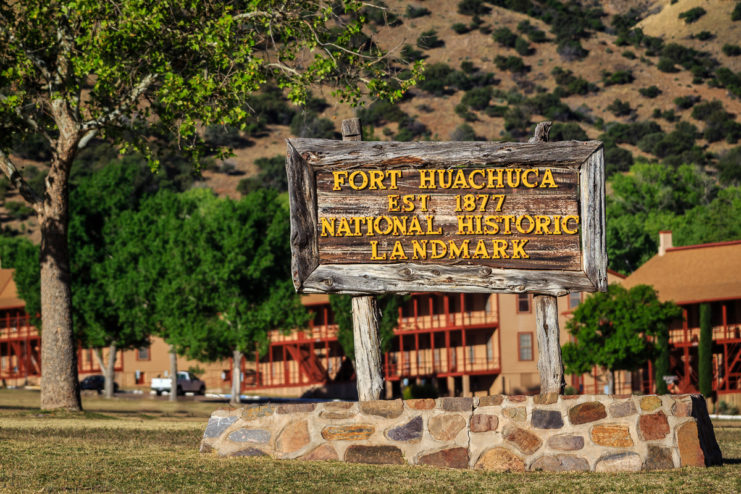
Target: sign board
<point x="379" y="217"/>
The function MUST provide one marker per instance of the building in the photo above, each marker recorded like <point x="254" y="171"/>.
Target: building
<point x="691" y="276"/>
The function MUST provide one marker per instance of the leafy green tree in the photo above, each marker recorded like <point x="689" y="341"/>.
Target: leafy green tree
<point x="209" y="275"/>
<point x="124" y="71"/>
<point x="611" y="330"/>
<point x="22" y="255"/>
<point x="705" y="352"/>
<point x="662" y="361"/>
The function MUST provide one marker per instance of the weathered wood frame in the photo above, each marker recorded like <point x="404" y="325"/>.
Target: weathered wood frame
<point x="306" y="156"/>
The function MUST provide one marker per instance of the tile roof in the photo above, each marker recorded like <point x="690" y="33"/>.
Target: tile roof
<point x="695" y="273"/>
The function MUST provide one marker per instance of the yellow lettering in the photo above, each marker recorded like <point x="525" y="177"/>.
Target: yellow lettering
<point x="427" y="179"/>
<point x="374" y="252"/>
<point x="395" y="175"/>
<point x="459" y="252"/>
<point x="556" y="225"/>
<point x="500" y="249"/>
<point x="524" y="177"/>
<point x="394" y="202"/>
<point x="327" y="227"/>
<point x="414" y="227"/>
<point x="481" y="252"/>
<point x="369" y="225"/>
<point x="376" y="180"/>
<point x="431" y="228"/>
<point x="492" y="228"/>
<point x="531" y="223"/>
<point x="472" y="182"/>
<point x="548" y="179"/>
<point x="377" y="222"/>
<point x="398" y="252"/>
<point x="408" y="201"/>
<point x="424" y="198"/>
<point x="443" y="249"/>
<point x="460" y="180"/>
<point x="343" y="229"/>
<point x="339" y="180"/>
<point x="565" y="224"/>
<point x="400" y="225"/>
<point x="541" y="225"/>
<point x="518" y="249"/>
<point x="494" y="178"/>
<point x="465" y="224"/>
<point x="419" y="249"/>
<point x="508" y="219"/>
<point x="513" y="177"/>
<point x="363" y="184"/>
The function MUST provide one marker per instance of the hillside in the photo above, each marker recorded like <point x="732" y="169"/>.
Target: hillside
<point x="650" y="83"/>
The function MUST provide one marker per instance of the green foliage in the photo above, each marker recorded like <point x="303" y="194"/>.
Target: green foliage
<point x="18" y="210"/>
<point x="380" y="113"/>
<point x="380" y="15"/>
<point x="309" y="124"/>
<point x="650" y="92"/>
<point x="464" y="132"/>
<point x="619" y="108"/>
<point x="610" y="329"/>
<point x="729" y="166"/>
<point x="571" y="50"/>
<point x="736" y="14"/>
<point x="618" y="77"/>
<point x="569" y="131"/>
<point x="272" y="175"/>
<point x="685" y="102"/>
<point x="726" y="408"/>
<point x="731" y="50"/>
<point x="622" y="23"/>
<point x="655" y="197"/>
<point x="460" y="28"/>
<point x="662" y="361"/>
<point x="511" y="63"/>
<point x="692" y="15"/>
<point x="517" y="122"/>
<point x="473" y="7"/>
<point x="410" y="54"/>
<point x="419" y="391"/>
<point x="536" y="35"/>
<point x="617" y="159"/>
<point x="523" y="47"/>
<point x="477" y="98"/>
<point x="676" y="147"/>
<point x="415" y="12"/>
<point x="719" y="124"/>
<point x="504" y="37"/>
<point x="629" y="55"/>
<point x="705" y="351"/>
<point x="726" y="78"/>
<point x="569" y="84"/>
<point x="429" y="40"/>
<point x="701" y="64"/>
<point x="342" y="309"/>
<point x="20" y="254"/>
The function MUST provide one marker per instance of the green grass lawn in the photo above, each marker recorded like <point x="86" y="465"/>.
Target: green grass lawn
<point x="126" y="445"/>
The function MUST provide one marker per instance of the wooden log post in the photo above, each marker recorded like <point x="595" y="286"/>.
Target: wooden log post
<point x="550" y="365"/>
<point x="365" y="316"/>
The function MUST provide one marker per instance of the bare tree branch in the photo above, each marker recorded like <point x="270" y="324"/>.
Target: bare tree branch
<point x="15" y="177"/>
<point x="115" y="113"/>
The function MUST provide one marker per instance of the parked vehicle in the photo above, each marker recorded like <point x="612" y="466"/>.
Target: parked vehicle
<point x="186" y="382"/>
<point x="96" y="382"/>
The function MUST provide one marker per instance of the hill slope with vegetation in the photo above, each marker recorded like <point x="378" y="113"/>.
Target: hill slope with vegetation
<point x="658" y="81"/>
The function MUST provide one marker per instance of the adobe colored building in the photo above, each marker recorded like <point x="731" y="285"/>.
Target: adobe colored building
<point x="690" y="276"/>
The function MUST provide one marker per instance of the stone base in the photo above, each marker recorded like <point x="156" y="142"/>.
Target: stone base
<point x="505" y="433"/>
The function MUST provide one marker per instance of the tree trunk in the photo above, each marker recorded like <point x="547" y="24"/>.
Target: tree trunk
<point x="550" y="365"/>
<point x="107" y="369"/>
<point x="610" y="382"/>
<point x="236" y="378"/>
<point x="367" y="348"/>
<point x="110" y="372"/>
<point x="173" y="374"/>
<point x="60" y="387"/>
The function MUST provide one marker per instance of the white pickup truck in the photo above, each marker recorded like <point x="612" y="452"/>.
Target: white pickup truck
<point x="186" y="382"/>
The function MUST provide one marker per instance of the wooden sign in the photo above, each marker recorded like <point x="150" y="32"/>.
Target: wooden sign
<point x="379" y="217"/>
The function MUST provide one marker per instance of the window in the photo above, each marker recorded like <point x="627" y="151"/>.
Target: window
<point x="525" y="346"/>
<point x="523" y="302"/>
<point x="142" y="353"/>
<point x="574" y="299"/>
<point x="139" y="375"/>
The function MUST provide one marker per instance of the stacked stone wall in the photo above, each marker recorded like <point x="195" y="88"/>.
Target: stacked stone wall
<point x="514" y="433"/>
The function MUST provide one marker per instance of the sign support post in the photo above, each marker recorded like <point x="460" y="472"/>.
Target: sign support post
<point x="550" y="365"/>
<point x="365" y="316"/>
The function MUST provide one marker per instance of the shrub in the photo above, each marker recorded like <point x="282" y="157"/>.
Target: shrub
<point x="650" y="92"/>
<point x="429" y="40"/>
<point x="505" y="37"/>
<point x="463" y="132"/>
<point x="619" y="108"/>
<point x="684" y="102"/>
<point x="706" y="110"/>
<point x="468" y="67"/>
<point x="224" y="136"/>
<point x="669" y="116"/>
<point x="729" y="166"/>
<point x="496" y="111"/>
<point x="435" y="78"/>
<point x="732" y="50"/>
<point x="308" y="124"/>
<point x="271" y="176"/>
<point x="618" y="77"/>
<point x="477" y="98"/>
<point x="569" y="84"/>
<point x="622" y="23"/>
<point x="523" y="47"/>
<point x="473" y="7"/>
<point x="629" y="55"/>
<point x="666" y="65"/>
<point x="536" y="35"/>
<point x="571" y="49"/>
<point x="380" y="15"/>
<point x="630" y="133"/>
<point x="617" y="159"/>
<point x="460" y="28"/>
<point x="727" y="79"/>
<point x="704" y="35"/>
<point x="550" y="106"/>
<point x="692" y="15"/>
<point x="736" y="14"/>
<point x="462" y="111"/>
<point x="410" y="129"/>
<point x="517" y="122"/>
<point x="18" y="210"/>
<point x="381" y="112"/>
<point x="414" y="12"/>
<point x="569" y="131"/>
<point x="513" y="64"/>
<point x="410" y="54"/>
